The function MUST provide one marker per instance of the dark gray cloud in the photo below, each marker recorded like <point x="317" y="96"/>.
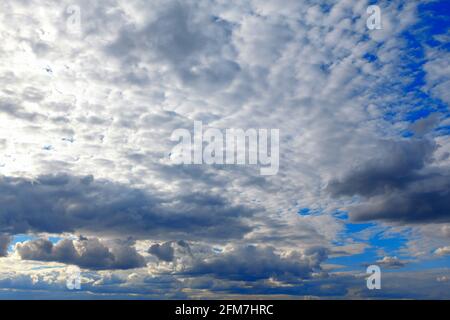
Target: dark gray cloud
<point x="62" y="203"/>
<point x="417" y="204"/>
<point x="395" y="167"/>
<point x="400" y="185"/>
<point x="252" y="263"/>
<point x="90" y="253"/>
<point x="167" y="251"/>
<point x="164" y="252"/>
<point x="4" y="243"/>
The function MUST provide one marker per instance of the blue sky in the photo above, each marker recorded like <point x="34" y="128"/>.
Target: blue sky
<point x="92" y="94"/>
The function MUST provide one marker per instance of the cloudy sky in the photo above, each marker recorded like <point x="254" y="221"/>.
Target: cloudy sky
<point x="86" y="116"/>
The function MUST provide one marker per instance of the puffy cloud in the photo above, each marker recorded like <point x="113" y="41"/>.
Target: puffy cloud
<point x="164" y="252"/>
<point x="443" y="251"/>
<point x="443" y="279"/>
<point x="251" y="263"/>
<point x="391" y="262"/>
<point x="86" y="253"/>
<point x="170" y="250"/>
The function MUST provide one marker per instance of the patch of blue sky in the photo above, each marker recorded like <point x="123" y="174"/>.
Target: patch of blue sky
<point x="358" y="232"/>
<point x="434" y="20"/>
<point x="351" y="229"/>
<point x="370" y="57"/>
<point x="381" y="238"/>
<point x="412" y="101"/>
<point x="304" y="212"/>
<point x="309" y="212"/>
<point x="355" y="262"/>
<point x="390" y="243"/>
<point x="19" y="238"/>
<point x="342" y="215"/>
<point x="54" y="240"/>
<point x="357" y="227"/>
<point x="381" y="244"/>
<point x="407" y="134"/>
<point x="433" y="263"/>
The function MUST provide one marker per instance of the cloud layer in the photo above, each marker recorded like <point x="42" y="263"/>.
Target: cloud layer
<point x="61" y="203"/>
<point x="86" y="118"/>
<point x="85" y="253"/>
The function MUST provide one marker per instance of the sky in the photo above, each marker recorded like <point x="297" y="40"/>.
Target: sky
<point x="91" y="93"/>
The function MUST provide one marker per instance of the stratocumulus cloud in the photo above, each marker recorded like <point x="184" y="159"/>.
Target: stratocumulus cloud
<point x="401" y="185"/>
<point x="86" y="253"/>
<point x="61" y="203"/>
<point x="265" y="263"/>
<point x="92" y="91"/>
